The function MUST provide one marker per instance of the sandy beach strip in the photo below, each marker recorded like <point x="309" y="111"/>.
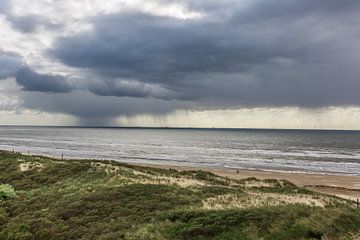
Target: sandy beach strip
<point x="347" y="187"/>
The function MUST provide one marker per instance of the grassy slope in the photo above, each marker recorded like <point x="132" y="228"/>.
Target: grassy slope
<point x="108" y="200"/>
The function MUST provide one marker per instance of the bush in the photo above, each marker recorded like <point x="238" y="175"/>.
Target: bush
<point x="7" y="192"/>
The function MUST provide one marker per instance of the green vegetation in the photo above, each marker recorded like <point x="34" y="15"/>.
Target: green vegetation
<point x="7" y="192"/>
<point x="43" y="198"/>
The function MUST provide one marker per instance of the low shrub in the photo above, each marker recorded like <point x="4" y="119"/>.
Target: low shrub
<point x="7" y="192"/>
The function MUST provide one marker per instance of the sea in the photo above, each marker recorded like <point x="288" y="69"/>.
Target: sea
<point x="305" y="151"/>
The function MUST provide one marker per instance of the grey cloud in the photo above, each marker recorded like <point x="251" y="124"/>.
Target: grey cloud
<point x="12" y="66"/>
<point x="264" y="9"/>
<point x="9" y="65"/>
<point x="96" y="110"/>
<point x="33" y="81"/>
<point x="4" y="6"/>
<point x="30" y="23"/>
<point x="27" y="23"/>
<point x="126" y="88"/>
<point x="254" y="53"/>
<point x="161" y="49"/>
<point x="266" y="53"/>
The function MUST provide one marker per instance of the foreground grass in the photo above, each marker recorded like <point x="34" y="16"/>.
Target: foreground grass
<point x="108" y="200"/>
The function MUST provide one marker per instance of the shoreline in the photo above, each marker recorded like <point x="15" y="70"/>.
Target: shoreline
<point x="343" y="186"/>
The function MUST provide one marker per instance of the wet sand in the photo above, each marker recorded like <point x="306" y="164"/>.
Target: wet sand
<point x="347" y="187"/>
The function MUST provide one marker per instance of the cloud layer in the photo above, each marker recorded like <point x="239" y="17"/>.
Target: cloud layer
<point x="205" y="55"/>
<point x="28" y="79"/>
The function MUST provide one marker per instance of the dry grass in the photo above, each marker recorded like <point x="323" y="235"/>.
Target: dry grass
<point x="26" y="166"/>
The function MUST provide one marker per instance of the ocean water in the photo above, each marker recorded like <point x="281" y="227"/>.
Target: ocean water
<point x="326" y="152"/>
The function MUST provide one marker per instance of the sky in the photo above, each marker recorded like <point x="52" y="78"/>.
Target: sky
<point x="184" y="63"/>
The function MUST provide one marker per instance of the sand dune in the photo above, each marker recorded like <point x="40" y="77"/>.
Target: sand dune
<point x="347" y="187"/>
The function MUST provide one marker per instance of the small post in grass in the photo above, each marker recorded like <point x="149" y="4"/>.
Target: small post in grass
<point x="357" y="203"/>
<point x="62" y="156"/>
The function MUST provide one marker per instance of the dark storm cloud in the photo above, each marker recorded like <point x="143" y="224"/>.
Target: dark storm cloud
<point x="252" y="53"/>
<point x="130" y="88"/>
<point x="35" y="82"/>
<point x="262" y="8"/>
<point x="12" y="66"/>
<point x="95" y="110"/>
<point x="9" y="64"/>
<point x="164" y="49"/>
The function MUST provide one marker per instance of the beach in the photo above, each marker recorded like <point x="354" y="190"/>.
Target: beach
<point x="347" y="187"/>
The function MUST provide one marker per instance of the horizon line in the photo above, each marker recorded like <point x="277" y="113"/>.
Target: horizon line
<point x="183" y="128"/>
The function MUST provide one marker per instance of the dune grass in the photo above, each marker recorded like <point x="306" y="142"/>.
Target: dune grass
<point x="83" y="199"/>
